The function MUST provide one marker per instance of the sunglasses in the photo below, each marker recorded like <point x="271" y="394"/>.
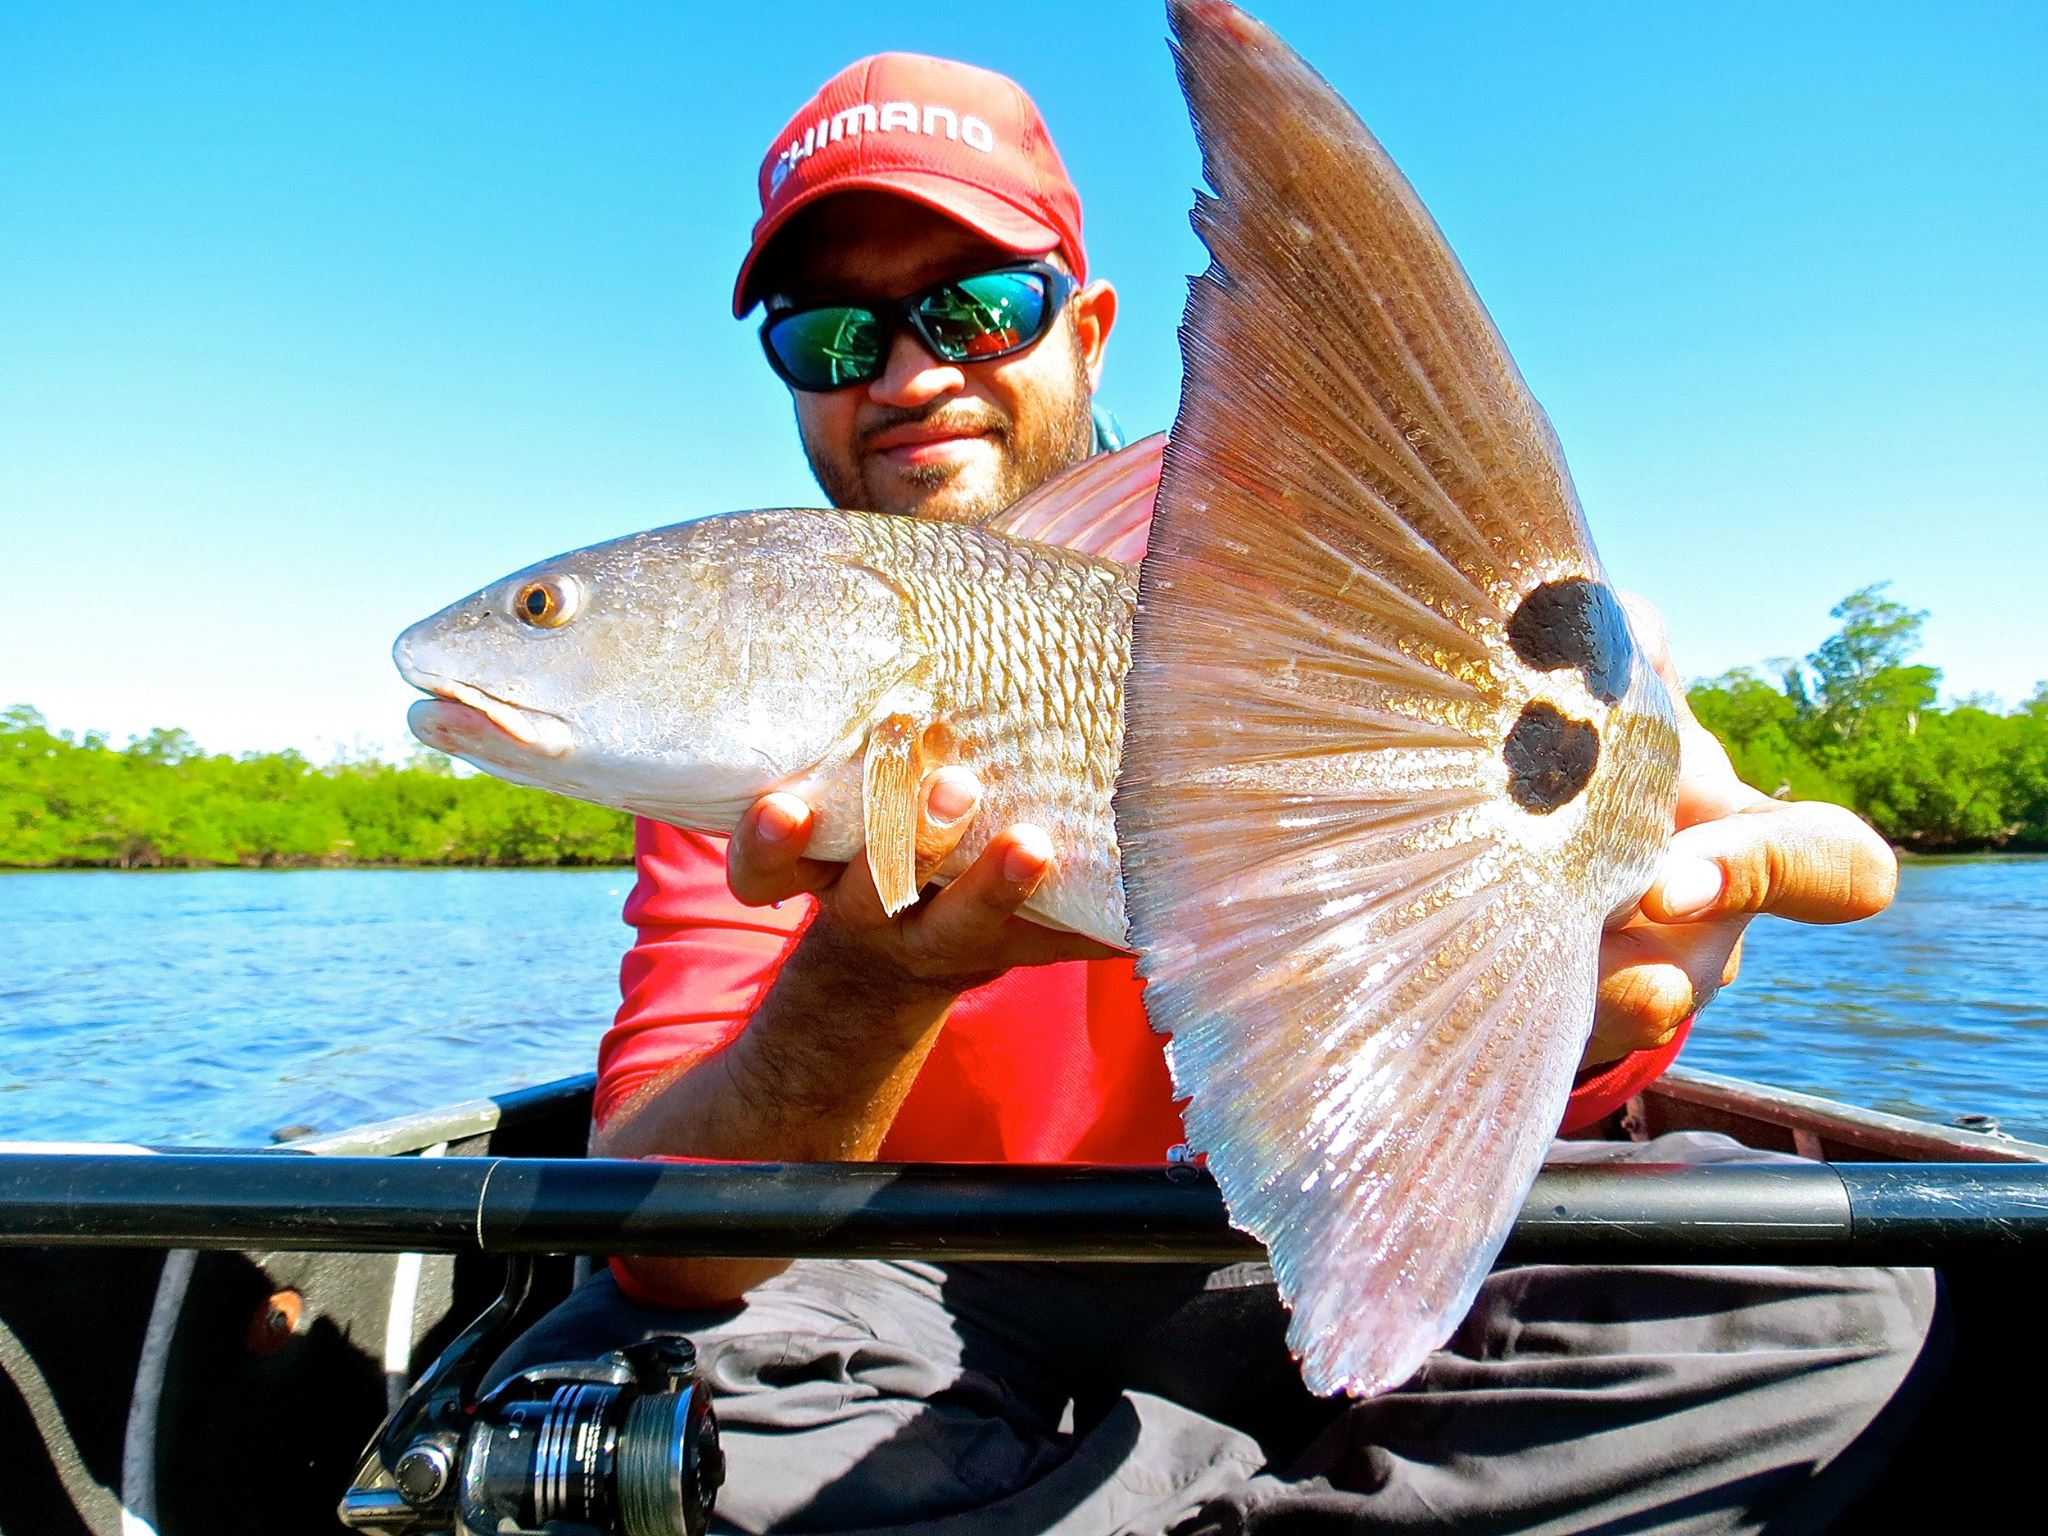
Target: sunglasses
<point x="962" y="320"/>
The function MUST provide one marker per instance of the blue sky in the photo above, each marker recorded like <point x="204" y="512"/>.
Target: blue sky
<point x="316" y="317"/>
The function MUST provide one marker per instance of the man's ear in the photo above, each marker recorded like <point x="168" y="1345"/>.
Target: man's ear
<point x="1094" y="313"/>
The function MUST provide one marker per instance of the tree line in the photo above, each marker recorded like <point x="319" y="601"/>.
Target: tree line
<point x="1855" y="722"/>
<point x="160" y="802"/>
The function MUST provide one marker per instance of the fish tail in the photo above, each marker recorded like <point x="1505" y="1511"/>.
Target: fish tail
<point x="1378" y="967"/>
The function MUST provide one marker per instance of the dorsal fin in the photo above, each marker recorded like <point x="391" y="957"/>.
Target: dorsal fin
<point x="1101" y="507"/>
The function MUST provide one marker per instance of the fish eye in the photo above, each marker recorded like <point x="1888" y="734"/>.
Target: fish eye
<point x="545" y="604"/>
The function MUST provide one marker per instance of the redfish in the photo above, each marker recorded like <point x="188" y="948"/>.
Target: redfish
<point x="840" y="656"/>
<point x="1362" y="782"/>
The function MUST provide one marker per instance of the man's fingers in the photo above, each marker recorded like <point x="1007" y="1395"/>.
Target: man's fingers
<point x="966" y="933"/>
<point x="1653" y="978"/>
<point x="948" y="800"/>
<point x="764" y="859"/>
<point x="963" y="924"/>
<point x="951" y="796"/>
<point x="971" y="912"/>
<point x="1806" y="860"/>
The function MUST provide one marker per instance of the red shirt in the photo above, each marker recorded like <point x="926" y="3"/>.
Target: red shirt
<point x="1047" y="1064"/>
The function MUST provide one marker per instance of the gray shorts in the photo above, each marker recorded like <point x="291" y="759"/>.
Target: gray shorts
<point x="1092" y="1399"/>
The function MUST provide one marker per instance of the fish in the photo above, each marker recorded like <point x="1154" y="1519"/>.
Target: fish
<point x="1360" y="758"/>
<point x="838" y="656"/>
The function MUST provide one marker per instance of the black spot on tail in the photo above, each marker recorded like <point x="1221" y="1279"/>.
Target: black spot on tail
<point x="1550" y="758"/>
<point x="1576" y="623"/>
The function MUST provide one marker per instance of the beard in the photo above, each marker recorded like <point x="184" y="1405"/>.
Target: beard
<point x="1054" y="429"/>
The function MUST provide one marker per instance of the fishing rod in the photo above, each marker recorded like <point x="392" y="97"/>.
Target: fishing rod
<point x="1789" y="1212"/>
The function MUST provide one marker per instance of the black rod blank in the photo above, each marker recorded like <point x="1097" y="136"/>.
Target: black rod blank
<point x="1636" y="1213"/>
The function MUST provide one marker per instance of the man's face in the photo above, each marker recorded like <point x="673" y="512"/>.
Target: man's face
<point x="949" y="441"/>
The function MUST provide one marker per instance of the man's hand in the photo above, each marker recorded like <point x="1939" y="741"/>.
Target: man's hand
<point x="832" y="1050"/>
<point x="1737" y="852"/>
<point x="954" y="938"/>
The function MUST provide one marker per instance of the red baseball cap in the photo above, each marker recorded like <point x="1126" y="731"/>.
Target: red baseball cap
<point x="965" y="142"/>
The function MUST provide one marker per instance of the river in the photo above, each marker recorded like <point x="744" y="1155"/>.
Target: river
<point x="215" y="1008"/>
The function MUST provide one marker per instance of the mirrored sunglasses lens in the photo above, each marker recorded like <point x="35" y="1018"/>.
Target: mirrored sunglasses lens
<point x="986" y="316"/>
<point x="827" y="348"/>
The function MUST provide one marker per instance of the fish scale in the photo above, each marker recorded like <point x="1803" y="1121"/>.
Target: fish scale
<point x="1029" y="644"/>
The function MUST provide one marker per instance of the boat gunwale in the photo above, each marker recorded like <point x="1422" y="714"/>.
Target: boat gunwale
<point x="469" y="1126"/>
<point x="1834" y="1126"/>
<point x="1876" y="1133"/>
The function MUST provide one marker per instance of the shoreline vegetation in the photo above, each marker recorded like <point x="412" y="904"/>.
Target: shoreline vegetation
<point x="1854" y="722"/>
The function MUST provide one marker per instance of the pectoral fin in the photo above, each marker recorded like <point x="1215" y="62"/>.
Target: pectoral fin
<point x="889" y="784"/>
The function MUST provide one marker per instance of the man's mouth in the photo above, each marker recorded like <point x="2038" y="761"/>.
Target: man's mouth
<point x="455" y="708"/>
<point x="937" y="441"/>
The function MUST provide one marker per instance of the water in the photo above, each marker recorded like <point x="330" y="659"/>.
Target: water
<point x="214" y="1008"/>
<point x="1936" y="1007"/>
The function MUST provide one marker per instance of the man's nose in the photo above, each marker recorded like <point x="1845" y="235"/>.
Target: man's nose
<point x="912" y="377"/>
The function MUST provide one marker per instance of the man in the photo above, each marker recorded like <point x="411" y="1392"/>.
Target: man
<point x="920" y="258"/>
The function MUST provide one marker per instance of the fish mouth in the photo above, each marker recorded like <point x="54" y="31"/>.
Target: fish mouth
<point x="454" y="705"/>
